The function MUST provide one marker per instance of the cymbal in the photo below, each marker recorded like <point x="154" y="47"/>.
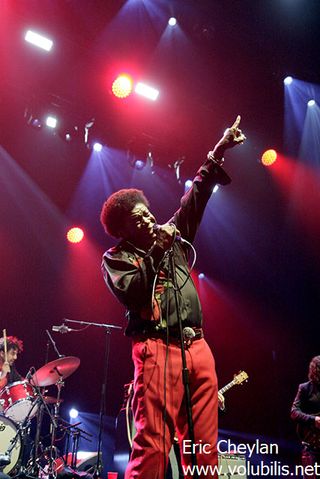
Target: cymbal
<point x="51" y="372"/>
<point x="51" y="400"/>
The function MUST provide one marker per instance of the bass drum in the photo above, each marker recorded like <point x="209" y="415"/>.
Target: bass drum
<point x="8" y="431"/>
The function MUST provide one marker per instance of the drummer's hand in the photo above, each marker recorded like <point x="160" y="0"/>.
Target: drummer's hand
<point x="5" y="369"/>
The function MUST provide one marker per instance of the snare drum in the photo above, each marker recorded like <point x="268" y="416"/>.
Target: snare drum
<point x="8" y="431"/>
<point x="17" y="401"/>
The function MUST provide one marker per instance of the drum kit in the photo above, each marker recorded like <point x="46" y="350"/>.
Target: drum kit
<point x="22" y="401"/>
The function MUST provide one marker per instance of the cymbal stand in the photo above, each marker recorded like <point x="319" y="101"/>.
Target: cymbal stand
<point x="54" y="426"/>
<point x="43" y="406"/>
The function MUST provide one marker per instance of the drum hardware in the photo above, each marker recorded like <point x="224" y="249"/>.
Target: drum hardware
<point x="54" y="424"/>
<point x="51" y="400"/>
<point x="52" y="373"/>
<point x="33" y="465"/>
<point x="51" y="462"/>
<point x="18" y="440"/>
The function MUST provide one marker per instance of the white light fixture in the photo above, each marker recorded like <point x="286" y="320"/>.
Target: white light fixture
<point x="288" y="80"/>
<point x="172" y="21"/>
<point x="73" y="413"/>
<point x="51" y="121"/>
<point x="311" y="102"/>
<point x="38" y="40"/>
<point x="146" y="91"/>
<point x="97" y="147"/>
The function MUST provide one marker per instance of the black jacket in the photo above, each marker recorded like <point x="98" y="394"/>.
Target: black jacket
<point x="306" y="404"/>
<point x="130" y="272"/>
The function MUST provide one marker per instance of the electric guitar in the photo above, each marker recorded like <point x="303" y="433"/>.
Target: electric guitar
<point x="309" y="433"/>
<point x="238" y="379"/>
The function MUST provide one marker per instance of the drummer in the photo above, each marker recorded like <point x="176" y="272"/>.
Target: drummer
<point x="8" y="372"/>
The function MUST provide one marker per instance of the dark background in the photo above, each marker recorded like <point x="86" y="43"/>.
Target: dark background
<point x="261" y="292"/>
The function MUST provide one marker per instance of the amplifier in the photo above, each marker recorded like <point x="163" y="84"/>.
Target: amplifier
<point x="233" y="466"/>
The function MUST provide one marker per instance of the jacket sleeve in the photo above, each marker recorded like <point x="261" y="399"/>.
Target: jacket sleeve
<point x="298" y="407"/>
<point x="130" y="276"/>
<point x="194" y="201"/>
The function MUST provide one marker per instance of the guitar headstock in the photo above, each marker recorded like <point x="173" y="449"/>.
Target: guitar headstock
<point x="241" y="377"/>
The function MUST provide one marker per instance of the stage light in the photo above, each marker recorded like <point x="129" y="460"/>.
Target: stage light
<point x="311" y="102"/>
<point x="215" y="188"/>
<point x="75" y="235"/>
<point x="288" y="80"/>
<point x="172" y="21"/>
<point x="97" y="147"/>
<point x="268" y="157"/>
<point x="201" y="275"/>
<point x="146" y="91"/>
<point x="138" y="164"/>
<point x="51" y="121"/>
<point x="73" y="413"/>
<point x="122" y="86"/>
<point x="38" y="40"/>
<point x="187" y="185"/>
<point x="35" y="123"/>
<point x="69" y="133"/>
<point x="135" y="161"/>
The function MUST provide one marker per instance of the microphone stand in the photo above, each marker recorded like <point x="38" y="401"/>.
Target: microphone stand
<point x="54" y="345"/>
<point x="185" y="370"/>
<point x="107" y="327"/>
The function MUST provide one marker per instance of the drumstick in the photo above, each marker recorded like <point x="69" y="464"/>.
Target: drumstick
<point x="4" y="332"/>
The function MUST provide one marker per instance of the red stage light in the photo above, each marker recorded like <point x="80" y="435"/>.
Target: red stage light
<point x="75" y="235"/>
<point x="122" y="86"/>
<point x="269" y="157"/>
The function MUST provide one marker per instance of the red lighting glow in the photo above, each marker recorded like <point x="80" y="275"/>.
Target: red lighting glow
<point x="75" y="235"/>
<point x="122" y="86"/>
<point x="269" y="157"/>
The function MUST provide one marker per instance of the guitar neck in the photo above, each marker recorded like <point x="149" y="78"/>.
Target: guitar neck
<point x="227" y="387"/>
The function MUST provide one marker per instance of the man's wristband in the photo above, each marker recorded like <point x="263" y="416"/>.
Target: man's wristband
<point x="217" y="161"/>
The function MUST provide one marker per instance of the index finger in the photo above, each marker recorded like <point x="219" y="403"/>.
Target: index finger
<point x="236" y="123"/>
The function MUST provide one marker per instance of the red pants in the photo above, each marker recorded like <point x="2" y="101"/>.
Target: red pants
<point x="154" y="437"/>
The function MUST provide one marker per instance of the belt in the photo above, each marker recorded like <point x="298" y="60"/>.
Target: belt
<point x="190" y="335"/>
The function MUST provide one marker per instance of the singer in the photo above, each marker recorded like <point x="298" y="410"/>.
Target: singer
<point x="138" y="273"/>
<point x="8" y="372"/>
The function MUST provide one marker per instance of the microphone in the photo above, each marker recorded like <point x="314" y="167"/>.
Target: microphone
<point x="61" y="329"/>
<point x="157" y="228"/>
